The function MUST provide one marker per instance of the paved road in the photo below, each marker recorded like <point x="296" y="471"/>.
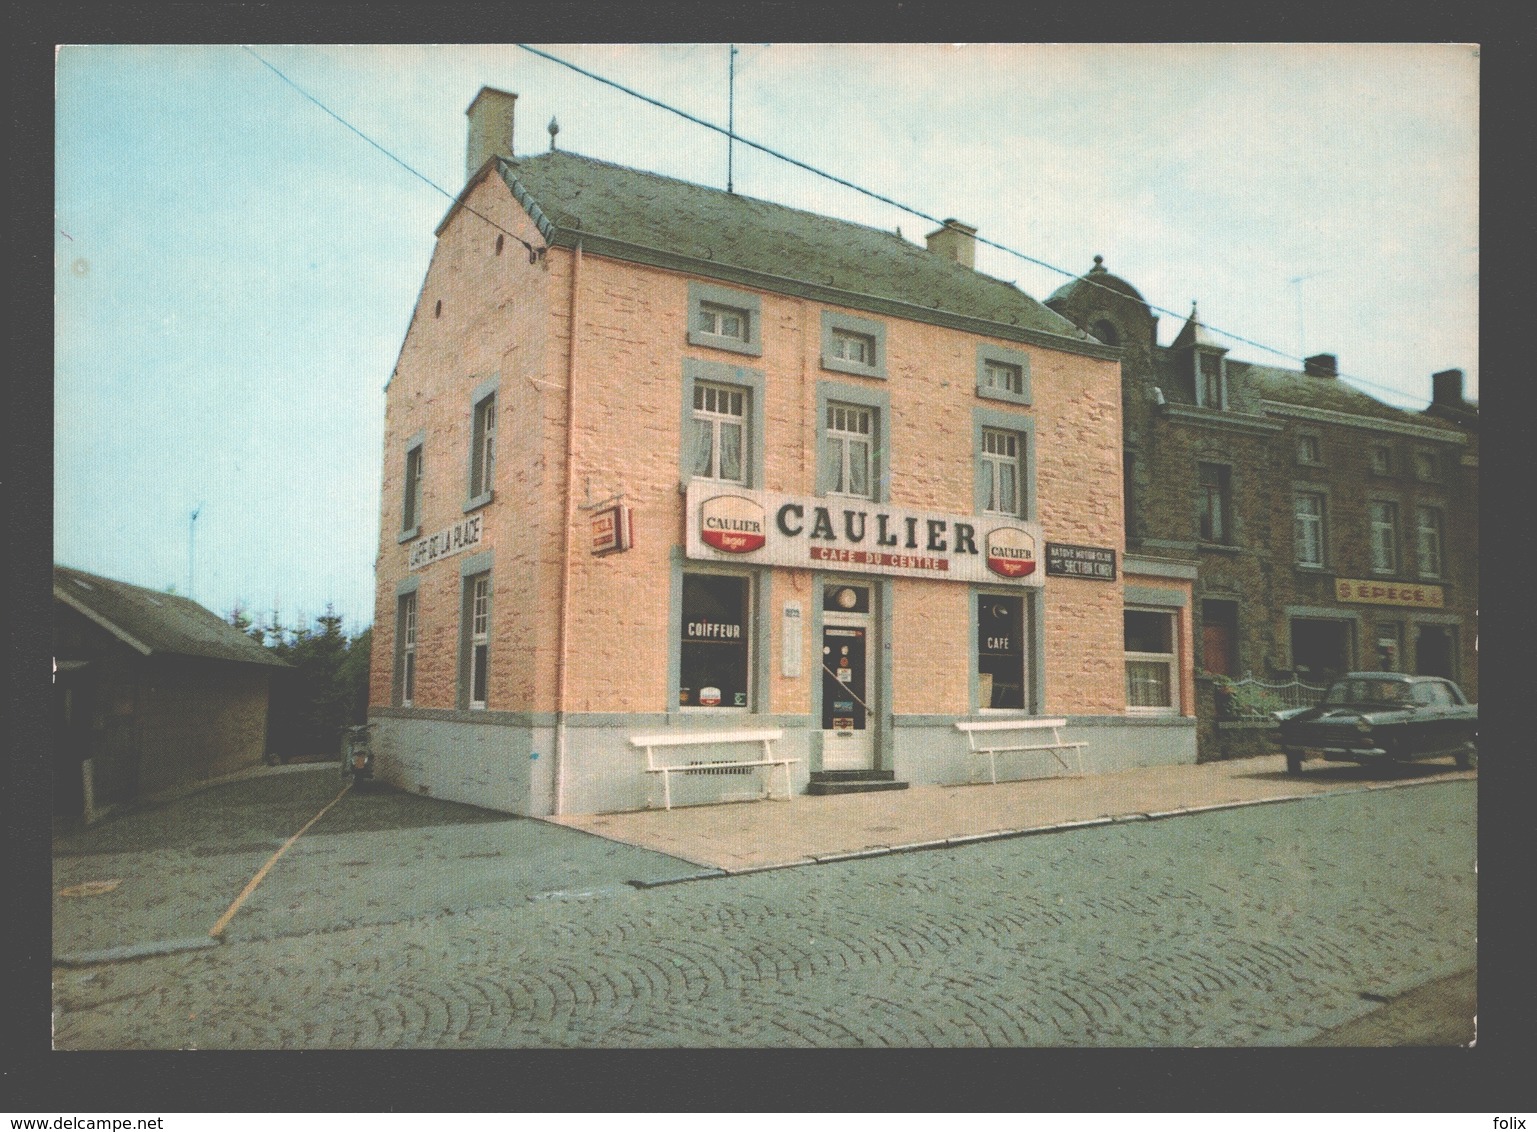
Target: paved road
<point x="1262" y="926"/>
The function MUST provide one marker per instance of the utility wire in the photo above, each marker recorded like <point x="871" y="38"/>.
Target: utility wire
<point x="404" y="165"/>
<point x="731" y="135"/>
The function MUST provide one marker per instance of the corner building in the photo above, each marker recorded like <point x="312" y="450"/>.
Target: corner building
<point x="661" y="459"/>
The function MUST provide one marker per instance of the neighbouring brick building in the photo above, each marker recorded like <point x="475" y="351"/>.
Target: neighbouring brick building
<point x="866" y="492"/>
<point x="151" y="692"/>
<point x="1330" y="531"/>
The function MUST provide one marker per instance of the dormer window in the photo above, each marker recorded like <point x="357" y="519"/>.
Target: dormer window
<point x="1210" y="384"/>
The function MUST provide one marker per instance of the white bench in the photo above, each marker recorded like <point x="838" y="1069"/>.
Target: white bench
<point x="651" y="743"/>
<point x="984" y="733"/>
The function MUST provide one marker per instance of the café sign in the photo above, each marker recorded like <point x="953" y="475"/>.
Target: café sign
<point x="1369" y="592"/>
<point x="732" y="524"/>
<point x="1070" y="561"/>
<point x="463" y="535"/>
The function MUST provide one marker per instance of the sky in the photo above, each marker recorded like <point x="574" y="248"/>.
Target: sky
<point x="235" y="268"/>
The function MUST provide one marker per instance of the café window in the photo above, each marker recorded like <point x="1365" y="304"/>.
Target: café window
<point x="715" y="642"/>
<point x="1150" y="662"/>
<point x="1001" y="657"/>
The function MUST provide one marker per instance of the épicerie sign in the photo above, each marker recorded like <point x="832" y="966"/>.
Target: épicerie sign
<point x="727" y="523"/>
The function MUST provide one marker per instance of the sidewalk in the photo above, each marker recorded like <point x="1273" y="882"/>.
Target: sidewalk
<point x="744" y="837"/>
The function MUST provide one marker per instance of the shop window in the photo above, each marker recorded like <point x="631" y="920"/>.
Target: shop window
<point x="715" y="642"/>
<point x="1001" y="653"/>
<point x="1428" y="541"/>
<point x="482" y="451"/>
<point x="851" y="344"/>
<point x="1216" y="503"/>
<point x="1151" y="675"/>
<point x="477" y="641"/>
<point x="1308" y="510"/>
<point x="1219" y="637"/>
<point x="724" y="319"/>
<point x="999" y="466"/>
<point x="720" y="432"/>
<point x="847" y="442"/>
<point x="1381" y="459"/>
<point x="1320" y="649"/>
<point x="1384" y="519"/>
<point x="411" y="501"/>
<point x="1003" y="374"/>
<point x="405" y="650"/>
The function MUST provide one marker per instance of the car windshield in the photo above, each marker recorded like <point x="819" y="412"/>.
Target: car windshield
<point x="1389" y="692"/>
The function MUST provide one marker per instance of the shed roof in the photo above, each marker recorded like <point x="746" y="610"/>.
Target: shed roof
<point x="156" y="624"/>
<point x="573" y="197"/>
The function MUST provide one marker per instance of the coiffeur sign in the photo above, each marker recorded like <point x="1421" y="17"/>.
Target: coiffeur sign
<point x="727" y="524"/>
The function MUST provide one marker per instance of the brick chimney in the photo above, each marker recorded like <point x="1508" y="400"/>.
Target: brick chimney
<point x="1446" y="388"/>
<point x="955" y="241"/>
<point x="490" y="116"/>
<point x="1321" y="365"/>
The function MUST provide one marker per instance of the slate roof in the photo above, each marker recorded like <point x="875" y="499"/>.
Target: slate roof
<point x="154" y="623"/>
<point x="571" y="196"/>
<point x="1293" y="387"/>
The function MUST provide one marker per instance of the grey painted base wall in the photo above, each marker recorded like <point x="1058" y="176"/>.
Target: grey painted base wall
<point x="505" y="762"/>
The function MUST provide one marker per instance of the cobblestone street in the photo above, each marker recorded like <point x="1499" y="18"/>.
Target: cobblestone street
<point x="1258" y="926"/>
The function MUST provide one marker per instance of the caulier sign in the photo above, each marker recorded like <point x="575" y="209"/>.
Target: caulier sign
<point x="733" y="524"/>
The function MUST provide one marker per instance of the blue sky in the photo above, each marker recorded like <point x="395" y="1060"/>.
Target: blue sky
<point x="235" y="269"/>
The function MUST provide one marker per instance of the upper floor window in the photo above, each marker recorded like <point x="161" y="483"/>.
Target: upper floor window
<point x="851" y="347"/>
<point x="1308" y="507"/>
<point x="1215" y="503"/>
<point x="847" y="449"/>
<point x="1382" y="460"/>
<point x="999" y="466"/>
<point x="1210" y="391"/>
<point x="411" y="503"/>
<point x="724" y="319"/>
<point x="1428" y="541"/>
<point x="728" y="322"/>
<point x="482" y="450"/>
<point x="1384" y="520"/>
<point x="478" y="627"/>
<point x="1309" y="450"/>
<point x="1003" y="374"/>
<point x="1427" y="465"/>
<point x="720" y="432"/>
<point x="405" y="649"/>
<point x="852" y="344"/>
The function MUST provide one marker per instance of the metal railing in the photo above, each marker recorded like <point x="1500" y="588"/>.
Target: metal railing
<point x="1251" y="699"/>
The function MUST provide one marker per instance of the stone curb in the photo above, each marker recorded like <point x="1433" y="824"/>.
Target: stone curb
<point x="960" y="840"/>
<point x="135" y="951"/>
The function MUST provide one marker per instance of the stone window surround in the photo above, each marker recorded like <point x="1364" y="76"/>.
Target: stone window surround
<point x="417" y="444"/>
<point x="854" y="324"/>
<point x="469" y="569"/>
<point x="746" y="301"/>
<point x="878" y="400"/>
<point x="696" y="370"/>
<point x="988" y="352"/>
<point x="478" y="396"/>
<point x="1023" y="426"/>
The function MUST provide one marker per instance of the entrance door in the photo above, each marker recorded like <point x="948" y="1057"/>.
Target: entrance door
<point x="848" y="691"/>
<point x="1433" y="652"/>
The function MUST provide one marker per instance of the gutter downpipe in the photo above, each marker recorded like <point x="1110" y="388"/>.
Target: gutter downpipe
<point x="565" y="572"/>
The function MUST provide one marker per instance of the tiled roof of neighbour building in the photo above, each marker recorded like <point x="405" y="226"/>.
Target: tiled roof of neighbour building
<point x="642" y="216"/>
<point x="156" y="623"/>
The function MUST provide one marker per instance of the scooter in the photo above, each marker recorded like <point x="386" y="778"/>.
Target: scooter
<point x="357" y="756"/>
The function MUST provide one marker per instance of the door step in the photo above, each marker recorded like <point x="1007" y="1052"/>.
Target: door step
<point x="853" y="781"/>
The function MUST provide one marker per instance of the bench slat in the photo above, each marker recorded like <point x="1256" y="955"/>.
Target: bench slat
<point x="1009" y="724"/>
<point x="704" y="738"/>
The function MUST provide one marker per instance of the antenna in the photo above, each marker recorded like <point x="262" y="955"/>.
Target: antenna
<point x="730" y="116"/>
<point x="191" y="543"/>
<point x="1296" y="282"/>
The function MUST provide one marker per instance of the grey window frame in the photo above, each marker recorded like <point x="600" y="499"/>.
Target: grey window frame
<point x="471" y="570"/>
<point x="878" y="401"/>
<point x="481" y="453"/>
<point x="1033" y="653"/>
<point x="834" y="322"/>
<point x="717" y="419"/>
<point x="1002" y="355"/>
<point x="750" y="381"/>
<point x="702" y="294"/>
<point x="760" y="624"/>
<point x="1396" y="529"/>
<point x="412" y="494"/>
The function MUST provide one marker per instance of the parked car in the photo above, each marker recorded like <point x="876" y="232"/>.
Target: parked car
<point x="1369" y="717"/>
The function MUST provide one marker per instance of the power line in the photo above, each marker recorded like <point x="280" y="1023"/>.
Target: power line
<point x="732" y="136"/>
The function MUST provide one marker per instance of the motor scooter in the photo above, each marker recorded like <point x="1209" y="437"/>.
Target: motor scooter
<point x="357" y="756"/>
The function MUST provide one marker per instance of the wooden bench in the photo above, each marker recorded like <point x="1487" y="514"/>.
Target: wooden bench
<point x="984" y="732"/>
<point x="651" y="743"/>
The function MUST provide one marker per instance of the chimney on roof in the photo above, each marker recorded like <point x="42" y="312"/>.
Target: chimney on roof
<point x="1321" y="365"/>
<point x="490" y="116"/>
<point x="1446" y="387"/>
<point x="955" y="241"/>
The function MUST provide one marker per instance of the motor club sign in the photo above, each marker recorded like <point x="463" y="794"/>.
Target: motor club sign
<point x="732" y="524"/>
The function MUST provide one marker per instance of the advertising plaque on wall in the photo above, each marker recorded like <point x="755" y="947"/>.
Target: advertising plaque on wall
<point x="1068" y="561"/>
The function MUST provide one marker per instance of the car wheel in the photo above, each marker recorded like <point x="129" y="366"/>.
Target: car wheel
<point x="1293" y="763"/>
<point x="1467" y="758"/>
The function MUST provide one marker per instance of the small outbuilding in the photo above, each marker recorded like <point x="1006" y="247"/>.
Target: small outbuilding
<point x="151" y="692"/>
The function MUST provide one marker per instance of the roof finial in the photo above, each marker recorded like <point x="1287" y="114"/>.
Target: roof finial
<point x="554" y="128"/>
<point x="1099" y="264"/>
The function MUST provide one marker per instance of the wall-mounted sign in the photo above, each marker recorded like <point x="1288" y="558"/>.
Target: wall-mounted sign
<point x="1068" y="561"/>
<point x="1369" y="592"/>
<point x="463" y="535"/>
<point x="730" y="524"/>
<point x="611" y="530"/>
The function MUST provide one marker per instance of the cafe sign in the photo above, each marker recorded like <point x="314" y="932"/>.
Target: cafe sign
<point x="463" y="535"/>
<point x="1369" y="592"/>
<point x="1068" y="561"/>
<point x="732" y="524"/>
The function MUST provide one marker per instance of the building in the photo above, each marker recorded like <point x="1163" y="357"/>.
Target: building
<point x="151" y="692"/>
<point x="1330" y="532"/>
<point x="663" y="458"/>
